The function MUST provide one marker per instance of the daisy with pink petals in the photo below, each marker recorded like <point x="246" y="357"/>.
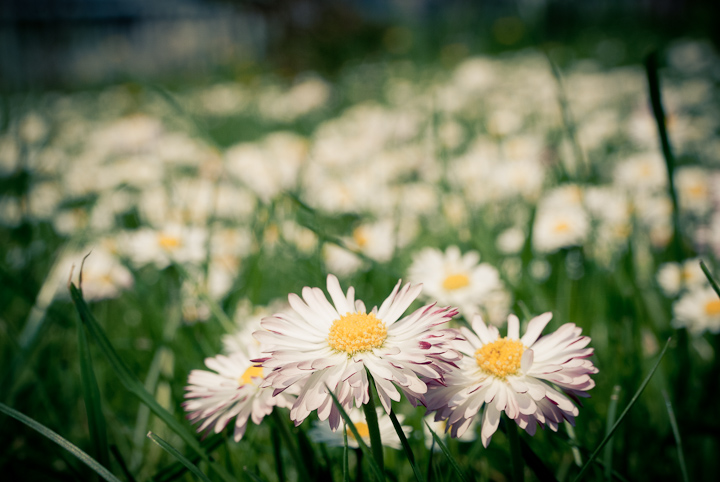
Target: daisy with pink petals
<point x="514" y="375"/>
<point x="231" y="390"/>
<point x="336" y="345"/>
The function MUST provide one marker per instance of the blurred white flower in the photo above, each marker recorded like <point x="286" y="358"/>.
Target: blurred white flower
<point x="322" y="433"/>
<point x="698" y="310"/>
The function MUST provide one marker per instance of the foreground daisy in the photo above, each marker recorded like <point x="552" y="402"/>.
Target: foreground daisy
<point x="321" y="345"/>
<point x="322" y="433"/>
<point x="513" y="375"/>
<point x="231" y="389"/>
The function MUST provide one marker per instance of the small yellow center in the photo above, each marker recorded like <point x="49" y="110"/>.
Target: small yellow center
<point x="357" y="332"/>
<point x="697" y="191"/>
<point x="562" y="227"/>
<point x="362" y="429"/>
<point x="500" y="358"/>
<point x="169" y="242"/>
<point x="712" y="308"/>
<point x="456" y="281"/>
<point x="360" y="236"/>
<point x="249" y="374"/>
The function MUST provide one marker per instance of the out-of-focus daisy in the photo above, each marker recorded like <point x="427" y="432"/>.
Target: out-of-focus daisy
<point x="561" y="227"/>
<point x="321" y="345"/>
<point x="513" y="375"/>
<point x="175" y="242"/>
<point x="674" y="277"/>
<point x="456" y="279"/>
<point x="440" y="429"/>
<point x="698" y="311"/>
<point x="322" y="432"/>
<point x="103" y="275"/>
<point x="694" y="186"/>
<point x="231" y="390"/>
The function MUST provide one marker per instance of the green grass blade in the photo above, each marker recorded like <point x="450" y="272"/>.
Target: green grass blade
<point x="174" y="452"/>
<point x="121" y="462"/>
<point x="516" y="461"/>
<point x="361" y="443"/>
<point x="91" y="396"/>
<point x="176" y="469"/>
<point x="710" y="277"/>
<point x="134" y="386"/>
<point x="447" y="453"/>
<point x="373" y="426"/>
<point x="277" y="453"/>
<point x="82" y="456"/>
<point x="346" y="463"/>
<point x="406" y="446"/>
<point x="639" y="391"/>
<point x="253" y="476"/>
<point x="612" y="412"/>
<point x="300" y="463"/>
<point x="676" y="434"/>
<point x="536" y="464"/>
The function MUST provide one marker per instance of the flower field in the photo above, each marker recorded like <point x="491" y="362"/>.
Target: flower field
<point x="380" y="275"/>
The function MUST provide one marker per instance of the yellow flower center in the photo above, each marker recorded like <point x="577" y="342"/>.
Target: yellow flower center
<point x="500" y="358"/>
<point x="562" y="227"/>
<point x="362" y="429"/>
<point x="357" y="332"/>
<point x="169" y="242"/>
<point x="249" y="374"/>
<point x="712" y="308"/>
<point x="360" y="236"/>
<point x="456" y="281"/>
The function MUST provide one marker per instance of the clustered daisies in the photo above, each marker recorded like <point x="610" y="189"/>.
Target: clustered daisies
<point x="316" y="350"/>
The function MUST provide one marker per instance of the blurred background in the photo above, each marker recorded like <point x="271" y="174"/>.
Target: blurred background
<point x="71" y="43"/>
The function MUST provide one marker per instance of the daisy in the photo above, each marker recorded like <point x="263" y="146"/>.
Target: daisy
<point x="231" y="390"/>
<point x="322" y="433"/>
<point x="440" y="428"/>
<point x="698" y="310"/>
<point x="457" y="279"/>
<point x="514" y="375"/>
<point x="321" y="345"/>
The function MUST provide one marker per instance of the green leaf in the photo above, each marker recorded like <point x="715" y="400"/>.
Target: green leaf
<point x="609" y="435"/>
<point x="173" y="451"/>
<point x="82" y="456"/>
<point x="346" y="463"/>
<point x="710" y="277"/>
<point x="447" y="453"/>
<point x="134" y="386"/>
<point x="91" y="396"/>
<point x="373" y="426"/>
<point x="361" y="443"/>
<point x="676" y="434"/>
<point x="406" y="446"/>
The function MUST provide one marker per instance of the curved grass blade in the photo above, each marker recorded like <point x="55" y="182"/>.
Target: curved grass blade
<point x="176" y="469"/>
<point x="373" y="426"/>
<point x="91" y="396"/>
<point x="121" y="462"/>
<point x="300" y="463"/>
<point x="676" y="434"/>
<point x="253" y="476"/>
<point x="277" y="454"/>
<point x="82" y="456"/>
<point x="541" y="471"/>
<point x="447" y="453"/>
<point x="609" y="435"/>
<point x="710" y="277"/>
<point x="406" y="446"/>
<point x="516" y="460"/>
<point x="134" y="386"/>
<point x="361" y="443"/>
<point x="174" y="452"/>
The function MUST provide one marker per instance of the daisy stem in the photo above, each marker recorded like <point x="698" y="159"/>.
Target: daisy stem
<point x="373" y="427"/>
<point x="515" y="454"/>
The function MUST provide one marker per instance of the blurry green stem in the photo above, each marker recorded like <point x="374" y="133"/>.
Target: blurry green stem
<point x="516" y="461"/>
<point x="612" y="412"/>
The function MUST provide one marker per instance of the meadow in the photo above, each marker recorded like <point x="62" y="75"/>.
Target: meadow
<point x="155" y="242"/>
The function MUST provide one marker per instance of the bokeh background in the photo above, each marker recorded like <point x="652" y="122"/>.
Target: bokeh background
<point x="214" y="156"/>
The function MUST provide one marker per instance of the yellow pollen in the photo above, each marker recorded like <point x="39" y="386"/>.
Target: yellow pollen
<point x="169" y="242"/>
<point x="712" y="308"/>
<point x="360" y="236"/>
<point x="456" y="281"/>
<point x="362" y="429"/>
<point x="562" y="227"/>
<point x="500" y="358"/>
<point x="357" y="332"/>
<point x="250" y="373"/>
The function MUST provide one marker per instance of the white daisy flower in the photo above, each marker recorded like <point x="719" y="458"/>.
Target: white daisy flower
<point x="457" y="279"/>
<point x="440" y="428"/>
<point x="336" y="346"/>
<point x="231" y="390"/>
<point x="513" y="375"/>
<point x="322" y="433"/>
<point x="698" y="311"/>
